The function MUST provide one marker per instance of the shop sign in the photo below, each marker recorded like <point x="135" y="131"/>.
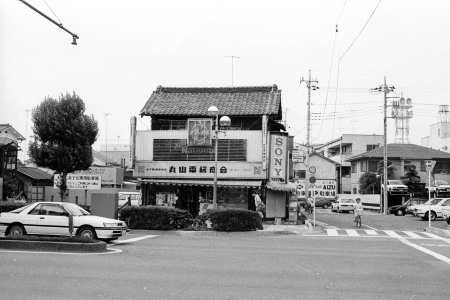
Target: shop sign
<point x="324" y="188"/>
<point x="278" y="157"/>
<point x="199" y="132"/>
<point x="79" y="181"/>
<point x="192" y="169"/>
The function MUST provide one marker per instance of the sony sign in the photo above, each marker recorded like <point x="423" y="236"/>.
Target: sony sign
<point x="278" y="157"/>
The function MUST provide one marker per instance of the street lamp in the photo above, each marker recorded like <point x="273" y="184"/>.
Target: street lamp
<point x="225" y="121"/>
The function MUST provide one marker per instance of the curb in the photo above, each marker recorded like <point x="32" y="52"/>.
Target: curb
<point x="52" y="246"/>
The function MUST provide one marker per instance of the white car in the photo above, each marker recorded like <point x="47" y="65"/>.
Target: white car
<point x="438" y="187"/>
<point x="52" y="218"/>
<point x="396" y="187"/>
<point x="434" y="206"/>
<point x="343" y="204"/>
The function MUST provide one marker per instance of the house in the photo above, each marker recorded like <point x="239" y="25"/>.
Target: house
<point x="175" y="160"/>
<point x="401" y="155"/>
<point x="344" y="147"/>
<point x="9" y="147"/>
<point x="33" y="182"/>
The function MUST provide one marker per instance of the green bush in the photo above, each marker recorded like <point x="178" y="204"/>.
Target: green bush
<point x="155" y="217"/>
<point x="234" y="219"/>
<point x="6" y="206"/>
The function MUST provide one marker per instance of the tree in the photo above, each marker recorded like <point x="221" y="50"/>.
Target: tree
<point x="411" y="178"/>
<point x="63" y="137"/>
<point x="369" y="183"/>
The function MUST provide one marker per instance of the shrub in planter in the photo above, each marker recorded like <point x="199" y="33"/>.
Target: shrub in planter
<point x="235" y="219"/>
<point x="155" y="217"/>
<point x="6" y="206"/>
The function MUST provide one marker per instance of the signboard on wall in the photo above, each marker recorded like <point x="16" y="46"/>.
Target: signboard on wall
<point x="201" y="169"/>
<point x="323" y="188"/>
<point x="278" y="157"/>
<point x="132" y="141"/>
<point x="199" y="132"/>
<point x="79" y="181"/>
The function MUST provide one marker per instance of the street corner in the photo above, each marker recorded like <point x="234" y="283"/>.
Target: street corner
<point x="442" y="232"/>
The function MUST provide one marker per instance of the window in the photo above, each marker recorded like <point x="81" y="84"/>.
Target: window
<point x="354" y="167"/>
<point x="423" y="168"/>
<point x="363" y="166"/>
<point x="373" y="166"/>
<point x="371" y="147"/>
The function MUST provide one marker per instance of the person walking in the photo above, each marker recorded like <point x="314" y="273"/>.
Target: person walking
<point x="310" y="204"/>
<point x="259" y="205"/>
<point x="358" y="212"/>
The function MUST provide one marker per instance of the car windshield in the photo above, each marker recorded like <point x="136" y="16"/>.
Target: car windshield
<point x="395" y="182"/>
<point x="75" y="209"/>
<point x="407" y="202"/>
<point x="433" y="201"/>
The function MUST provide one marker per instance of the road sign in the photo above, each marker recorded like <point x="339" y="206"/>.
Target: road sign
<point x="312" y="179"/>
<point x="312" y="169"/>
<point x="297" y="156"/>
<point x="428" y="163"/>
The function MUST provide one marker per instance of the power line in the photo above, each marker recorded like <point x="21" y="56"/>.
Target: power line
<point x="360" y="31"/>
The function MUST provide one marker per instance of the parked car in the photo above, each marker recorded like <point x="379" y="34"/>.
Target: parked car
<point x="446" y="213"/>
<point x="52" y="218"/>
<point x="396" y="187"/>
<point x="410" y="209"/>
<point x="438" y="187"/>
<point x="434" y="206"/>
<point x="401" y="210"/>
<point x="343" y="204"/>
<point x="135" y="198"/>
<point x="322" y="202"/>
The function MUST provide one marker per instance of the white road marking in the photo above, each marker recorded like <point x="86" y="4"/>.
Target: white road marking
<point x="352" y="232"/>
<point x="437" y="237"/>
<point x="425" y="250"/>
<point x="133" y="240"/>
<point x="368" y="227"/>
<point x="392" y="234"/>
<point x="413" y="235"/>
<point x="332" y="232"/>
<point x="371" y="232"/>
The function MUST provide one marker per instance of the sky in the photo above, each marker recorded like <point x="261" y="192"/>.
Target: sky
<point x="127" y="48"/>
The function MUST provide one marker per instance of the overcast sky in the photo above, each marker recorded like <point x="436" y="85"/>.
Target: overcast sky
<point x="127" y="48"/>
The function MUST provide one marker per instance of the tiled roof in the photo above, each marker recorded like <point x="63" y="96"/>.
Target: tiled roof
<point x="404" y="151"/>
<point x="231" y="101"/>
<point x="34" y="173"/>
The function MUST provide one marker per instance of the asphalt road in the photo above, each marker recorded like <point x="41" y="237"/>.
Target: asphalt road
<point x="247" y="267"/>
<point x="374" y="220"/>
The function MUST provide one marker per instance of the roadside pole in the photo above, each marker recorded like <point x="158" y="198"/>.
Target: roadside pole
<point x="314" y="203"/>
<point x="428" y="166"/>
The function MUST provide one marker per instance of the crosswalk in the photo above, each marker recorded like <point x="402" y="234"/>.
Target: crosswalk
<point x="381" y="233"/>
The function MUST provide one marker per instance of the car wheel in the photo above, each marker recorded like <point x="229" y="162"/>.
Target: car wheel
<point x="325" y="206"/>
<point x="87" y="232"/>
<point x="17" y="230"/>
<point x="433" y="216"/>
<point x="399" y="212"/>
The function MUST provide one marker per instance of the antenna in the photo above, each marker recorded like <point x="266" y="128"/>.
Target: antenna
<point x="232" y="67"/>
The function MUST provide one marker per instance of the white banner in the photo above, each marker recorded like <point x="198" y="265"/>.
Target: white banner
<point x="79" y="182"/>
<point x="324" y="188"/>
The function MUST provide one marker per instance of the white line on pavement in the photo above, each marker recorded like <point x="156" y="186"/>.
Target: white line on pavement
<point x="437" y="237"/>
<point x="133" y="240"/>
<point x="413" y="235"/>
<point x="425" y="250"/>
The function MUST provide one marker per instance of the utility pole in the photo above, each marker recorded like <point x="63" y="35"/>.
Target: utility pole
<point x="385" y="90"/>
<point x="232" y="68"/>
<point x="311" y="85"/>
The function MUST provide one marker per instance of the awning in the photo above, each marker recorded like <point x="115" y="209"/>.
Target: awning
<point x="280" y="186"/>
<point x="200" y="182"/>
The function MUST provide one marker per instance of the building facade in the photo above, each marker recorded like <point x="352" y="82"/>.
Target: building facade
<point x="439" y="137"/>
<point x="175" y="161"/>
<point x="401" y="155"/>
<point x="344" y="147"/>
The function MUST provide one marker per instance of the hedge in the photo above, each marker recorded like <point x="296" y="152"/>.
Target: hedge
<point x="234" y="219"/>
<point x="6" y="206"/>
<point x="155" y="217"/>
